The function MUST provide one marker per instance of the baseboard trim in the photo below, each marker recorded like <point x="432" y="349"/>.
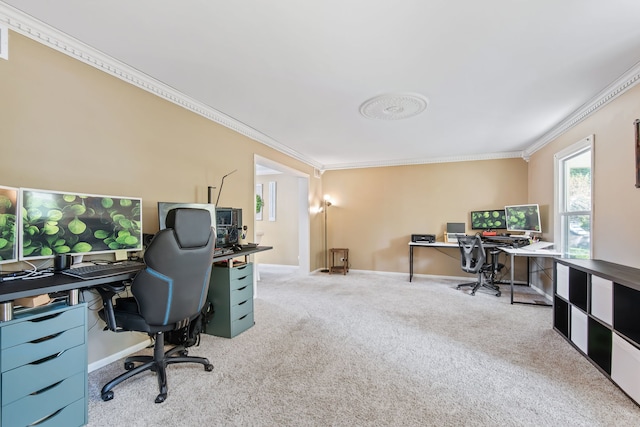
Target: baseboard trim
<point x="119" y="355"/>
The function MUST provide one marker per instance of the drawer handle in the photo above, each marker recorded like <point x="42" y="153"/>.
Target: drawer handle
<point x="242" y="288"/>
<point x="49" y="387"/>
<point x="47" y="338"/>
<point x="242" y="278"/>
<point x="45" y="318"/>
<point x="45" y="419"/>
<point x="243" y="302"/>
<point x="46" y="359"/>
<point x="243" y="317"/>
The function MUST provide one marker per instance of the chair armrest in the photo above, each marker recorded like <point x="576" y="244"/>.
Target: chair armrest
<point x="107" y="292"/>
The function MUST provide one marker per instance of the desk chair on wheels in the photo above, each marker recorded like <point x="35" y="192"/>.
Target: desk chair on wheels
<point x="473" y="259"/>
<point x="168" y="294"/>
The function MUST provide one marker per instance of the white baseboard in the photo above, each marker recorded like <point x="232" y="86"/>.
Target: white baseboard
<point x="119" y="355"/>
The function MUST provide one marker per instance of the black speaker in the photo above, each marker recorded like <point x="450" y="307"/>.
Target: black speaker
<point x="146" y="239"/>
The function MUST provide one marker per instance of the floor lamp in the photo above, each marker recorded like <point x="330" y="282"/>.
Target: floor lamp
<point x="326" y="204"/>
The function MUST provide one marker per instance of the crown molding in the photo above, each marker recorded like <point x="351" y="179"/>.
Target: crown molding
<point x="34" y="29"/>
<point x="410" y="162"/>
<point x="608" y="94"/>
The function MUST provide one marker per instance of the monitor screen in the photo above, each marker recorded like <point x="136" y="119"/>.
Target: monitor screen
<point x="229" y="225"/>
<point x="8" y="224"/>
<point x="488" y="220"/>
<point x="70" y="223"/>
<point x="523" y="218"/>
<point x="165" y="207"/>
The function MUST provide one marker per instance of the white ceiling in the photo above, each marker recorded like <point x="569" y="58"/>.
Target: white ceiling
<point x="501" y="76"/>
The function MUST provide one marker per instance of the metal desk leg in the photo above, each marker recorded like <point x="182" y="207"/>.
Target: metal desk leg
<point x="410" y="263"/>
<point x="512" y="257"/>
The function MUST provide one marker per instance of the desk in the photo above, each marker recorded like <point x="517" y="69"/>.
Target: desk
<point x="437" y="245"/>
<point x="59" y="282"/>
<point x="514" y="252"/>
<point x="425" y="245"/>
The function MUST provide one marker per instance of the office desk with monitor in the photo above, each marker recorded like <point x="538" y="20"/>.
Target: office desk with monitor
<point x="43" y="350"/>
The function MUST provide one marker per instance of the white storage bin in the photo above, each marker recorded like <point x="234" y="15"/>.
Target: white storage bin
<point x="562" y="284"/>
<point x="579" y="329"/>
<point x="602" y="299"/>
<point x="625" y="366"/>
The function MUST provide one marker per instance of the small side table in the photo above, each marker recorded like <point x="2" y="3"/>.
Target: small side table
<point x="343" y="258"/>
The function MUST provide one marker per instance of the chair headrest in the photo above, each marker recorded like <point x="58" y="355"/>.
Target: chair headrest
<point x="192" y="227"/>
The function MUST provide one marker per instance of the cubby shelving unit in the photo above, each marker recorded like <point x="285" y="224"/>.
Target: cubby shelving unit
<point x="597" y="309"/>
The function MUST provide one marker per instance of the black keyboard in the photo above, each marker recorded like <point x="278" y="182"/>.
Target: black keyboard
<point x="96" y="271"/>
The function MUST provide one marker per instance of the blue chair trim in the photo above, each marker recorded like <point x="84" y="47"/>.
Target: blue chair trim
<point x="205" y="288"/>
<point x="169" y="281"/>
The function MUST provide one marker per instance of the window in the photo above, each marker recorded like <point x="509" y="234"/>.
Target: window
<point x="574" y="184"/>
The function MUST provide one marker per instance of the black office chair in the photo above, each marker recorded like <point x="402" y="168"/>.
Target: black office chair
<point x="168" y="294"/>
<point x="473" y="259"/>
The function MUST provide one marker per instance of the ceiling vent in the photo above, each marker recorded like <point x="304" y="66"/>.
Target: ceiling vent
<point x="394" y="106"/>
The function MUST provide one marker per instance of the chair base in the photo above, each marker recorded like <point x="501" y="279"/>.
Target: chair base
<point x="478" y="284"/>
<point x="156" y="363"/>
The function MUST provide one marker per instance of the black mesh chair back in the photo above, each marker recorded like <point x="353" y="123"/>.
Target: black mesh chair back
<point x="472" y="254"/>
<point x="473" y="259"/>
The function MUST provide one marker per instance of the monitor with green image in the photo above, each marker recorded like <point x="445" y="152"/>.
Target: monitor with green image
<point x="491" y="219"/>
<point x="54" y="222"/>
<point x="8" y="224"/>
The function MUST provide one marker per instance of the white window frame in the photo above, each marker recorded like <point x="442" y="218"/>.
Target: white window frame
<point x="573" y="150"/>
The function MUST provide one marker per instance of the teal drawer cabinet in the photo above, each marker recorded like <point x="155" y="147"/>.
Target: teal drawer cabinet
<point x="231" y="293"/>
<point x="43" y="367"/>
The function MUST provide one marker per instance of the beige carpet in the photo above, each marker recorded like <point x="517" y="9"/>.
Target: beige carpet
<point x="376" y="350"/>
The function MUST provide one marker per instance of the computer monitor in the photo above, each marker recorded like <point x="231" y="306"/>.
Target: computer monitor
<point x="492" y="219"/>
<point x="525" y="218"/>
<point x="9" y="236"/>
<point x="54" y="222"/>
<point x="228" y="226"/>
<point x="165" y="207"/>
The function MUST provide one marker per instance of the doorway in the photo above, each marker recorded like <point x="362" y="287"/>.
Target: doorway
<point x="294" y="196"/>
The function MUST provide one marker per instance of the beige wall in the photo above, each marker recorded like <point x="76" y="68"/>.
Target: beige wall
<point x="616" y="200"/>
<point x="377" y="209"/>
<point x="282" y="233"/>
<point x="67" y="126"/>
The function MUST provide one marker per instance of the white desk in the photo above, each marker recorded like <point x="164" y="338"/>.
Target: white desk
<point x="425" y="245"/>
<point x="514" y="252"/>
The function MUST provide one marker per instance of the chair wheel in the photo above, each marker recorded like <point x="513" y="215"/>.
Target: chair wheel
<point x="161" y="397"/>
<point x="208" y="367"/>
<point x="184" y="353"/>
<point x="129" y="366"/>
<point x="498" y="294"/>
<point x="107" y="396"/>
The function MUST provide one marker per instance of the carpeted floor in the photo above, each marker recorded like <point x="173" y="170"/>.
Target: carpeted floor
<point x="375" y="350"/>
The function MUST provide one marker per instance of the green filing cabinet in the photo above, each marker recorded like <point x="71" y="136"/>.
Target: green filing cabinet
<point x="231" y="292"/>
<point x="43" y="363"/>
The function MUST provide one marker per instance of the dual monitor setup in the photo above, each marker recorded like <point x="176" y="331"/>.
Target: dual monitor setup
<point x="515" y="218"/>
<point x="521" y="219"/>
<point x="42" y="224"/>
